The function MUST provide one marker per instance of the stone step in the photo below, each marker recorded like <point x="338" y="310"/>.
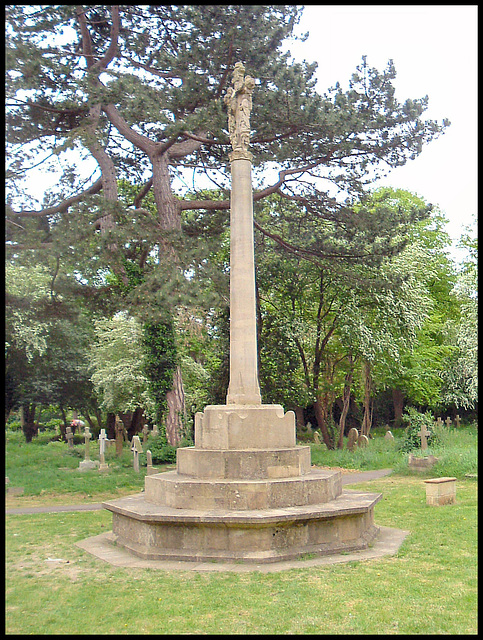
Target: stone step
<point x="262" y="535"/>
<point x="183" y="492"/>
<point x="248" y="464"/>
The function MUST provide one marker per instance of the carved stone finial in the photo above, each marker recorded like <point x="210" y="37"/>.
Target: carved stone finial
<point x="238" y="99"/>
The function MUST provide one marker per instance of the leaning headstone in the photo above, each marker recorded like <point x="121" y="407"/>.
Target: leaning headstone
<point x="317" y="439"/>
<point x="119" y="429"/>
<point x="423" y="435"/>
<point x="102" y="451"/>
<point x="352" y="439"/>
<point x="136" y="448"/>
<point x="388" y="436"/>
<point x="69" y="437"/>
<point x="362" y="441"/>
<point x="149" y="464"/>
<point x="87" y="463"/>
<point x="448" y="422"/>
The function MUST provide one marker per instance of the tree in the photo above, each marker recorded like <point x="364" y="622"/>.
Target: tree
<point x="46" y="347"/>
<point x="460" y="373"/>
<point x="139" y="90"/>
<point x="117" y="370"/>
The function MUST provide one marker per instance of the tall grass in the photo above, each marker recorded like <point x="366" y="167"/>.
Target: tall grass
<point x="456" y="450"/>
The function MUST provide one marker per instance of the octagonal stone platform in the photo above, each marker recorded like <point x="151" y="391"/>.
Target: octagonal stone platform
<point x="245" y="492"/>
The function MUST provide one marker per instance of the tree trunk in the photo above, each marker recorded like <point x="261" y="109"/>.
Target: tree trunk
<point x="299" y="417"/>
<point x="398" y="402"/>
<point x="321" y="408"/>
<point x="367" y="420"/>
<point x="27" y="420"/>
<point x="176" y="417"/>
<point x="110" y="425"/>
<point x="346" y="402"/>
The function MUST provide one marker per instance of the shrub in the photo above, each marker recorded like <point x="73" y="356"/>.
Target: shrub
<point x="415" y="421"/>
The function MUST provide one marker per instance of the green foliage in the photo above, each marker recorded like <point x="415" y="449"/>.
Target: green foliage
<point x="415" y="421"/>
<point x="161" y="451"/>
<point x="160" y="357"/>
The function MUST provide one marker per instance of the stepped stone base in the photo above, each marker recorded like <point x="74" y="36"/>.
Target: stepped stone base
<point x="266" y="535"/>
<point x="244" y="492"/>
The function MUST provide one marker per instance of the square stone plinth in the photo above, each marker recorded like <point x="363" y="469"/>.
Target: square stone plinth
<point x="263" y="426"/>
<point x="440" y="491"/>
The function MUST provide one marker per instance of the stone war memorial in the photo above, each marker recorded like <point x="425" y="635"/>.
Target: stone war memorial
<point x="245" y="492"/>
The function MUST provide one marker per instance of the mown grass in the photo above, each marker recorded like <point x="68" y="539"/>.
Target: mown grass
<point x="430" y="586"/>
<point x="54" y="587"/>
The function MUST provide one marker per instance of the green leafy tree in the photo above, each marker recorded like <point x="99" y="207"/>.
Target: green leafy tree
<point x="137" y="92"/>
<point x="460" y="373"/>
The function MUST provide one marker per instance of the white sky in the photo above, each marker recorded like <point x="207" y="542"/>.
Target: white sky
<point x="434" y="52"/>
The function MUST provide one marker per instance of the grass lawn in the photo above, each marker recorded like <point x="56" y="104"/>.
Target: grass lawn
<point x="53" y="587"/>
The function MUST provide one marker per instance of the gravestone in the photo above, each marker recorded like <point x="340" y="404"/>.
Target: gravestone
<point x="448" y="422"/>
<point x="423" y="435"/>
<point x="69" y="437"/>
<point x="102" y="451"/>
<point x="119" y="429"/>
<point x="440" y="491"/>
<point x="362" y="441"/>
<point x="388" y="436"/>
<point x="457" y="421"/>
<point x="352" y="439"/>
<point x="155" y="430"/>
<point x="421" y="464"/>
<point x="317" y="439"/>
<point x="87" y="463"/>
<point x="136" y="448"/>
<point x="439" y="422"/>
<point x="145" y="433"/>
<point x="149" y="463"/>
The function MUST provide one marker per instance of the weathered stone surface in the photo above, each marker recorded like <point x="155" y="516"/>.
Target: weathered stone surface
<point x="263" y="426"/>
<point x="241" y="463"/>
<point x="440" y="491"/>
<point x="183" y="492"/>
<point x="156" y="532"/>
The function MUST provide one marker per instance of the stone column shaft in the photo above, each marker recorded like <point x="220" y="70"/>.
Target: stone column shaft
<point x="243" y="387"/>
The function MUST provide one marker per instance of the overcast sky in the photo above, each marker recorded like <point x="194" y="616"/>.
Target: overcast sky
<point x="434" y="52"/>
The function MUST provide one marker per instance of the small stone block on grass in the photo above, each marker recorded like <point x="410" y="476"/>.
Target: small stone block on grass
<point x="440" y="491"/>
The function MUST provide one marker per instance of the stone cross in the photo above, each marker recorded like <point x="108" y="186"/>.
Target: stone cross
<point x="457" y="421"/>
<point x="352" y="440"/>
<point x="69" y="437"/>
<point x="423" y="434"/>
<point x="439" y="422"/>
<point x="145" y="433"/>
<point x="119" y="428"/>
<point x="136" y="448"/>
<point x="87" y="437"/>
<point x="448" y="422"/>
<point x="244" y="388"/>
<point x="102" y="450"/>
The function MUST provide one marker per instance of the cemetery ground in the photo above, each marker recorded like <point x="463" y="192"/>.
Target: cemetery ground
<point x="54" y="587"/>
